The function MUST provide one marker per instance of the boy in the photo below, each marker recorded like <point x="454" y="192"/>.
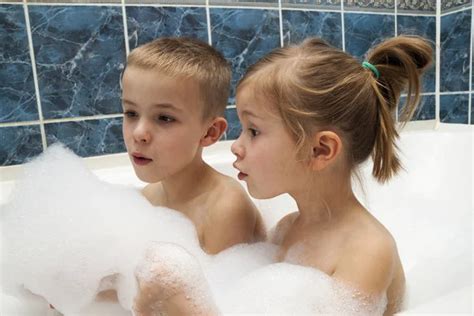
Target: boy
<point x="174" y="95"/>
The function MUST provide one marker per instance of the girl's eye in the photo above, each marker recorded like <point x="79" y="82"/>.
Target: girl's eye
<point x="253" y="132"/>
<point x="166" y="119"/>
<point x="130" y="114"/>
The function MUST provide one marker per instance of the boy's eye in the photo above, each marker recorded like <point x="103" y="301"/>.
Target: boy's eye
<point x="166" y="119"/>
<point x="129" y="114"/>
<point x="253" y="132"/>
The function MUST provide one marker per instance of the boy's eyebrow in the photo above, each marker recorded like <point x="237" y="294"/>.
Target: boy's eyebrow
<point x="160" y="105"/>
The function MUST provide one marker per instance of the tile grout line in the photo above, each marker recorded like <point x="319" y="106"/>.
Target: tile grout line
<point x="397" y="118"/>
<point x="208" y="20"/>
<point x="62" y="120"/>
<point x="438" y="60"/>
<point x="469" y="109"/>
<point x="343" y="27"/>
<point x="125" y="30"/>
<point x="396" y="16"/>
<point x="280" y="14"/>
<point x="35" y="75"/>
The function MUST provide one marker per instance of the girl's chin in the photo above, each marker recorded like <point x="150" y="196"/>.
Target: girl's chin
<point x="258" y="194"/>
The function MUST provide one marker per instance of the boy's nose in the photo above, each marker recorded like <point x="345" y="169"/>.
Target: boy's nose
<point x="142" y="134"/>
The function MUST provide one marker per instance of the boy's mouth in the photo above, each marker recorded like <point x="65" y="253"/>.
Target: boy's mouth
<point x="140" y="160"/>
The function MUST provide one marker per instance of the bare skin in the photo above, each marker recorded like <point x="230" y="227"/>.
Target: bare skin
<point x="165" y="132"/>
<point x="331" y="231"/>
<point x="336" y="246"/>
<point x="220" y="209"/>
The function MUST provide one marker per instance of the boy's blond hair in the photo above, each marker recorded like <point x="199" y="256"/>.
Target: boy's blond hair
<point x="189" y="58"/>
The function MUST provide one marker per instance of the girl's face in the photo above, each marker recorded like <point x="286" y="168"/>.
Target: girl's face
<point x="265" y="150"/>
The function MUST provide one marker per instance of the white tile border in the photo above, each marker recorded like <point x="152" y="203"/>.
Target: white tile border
<point x="35" y="74"/>
<point x="469" y="113"/>
<point x="438" y="60"/>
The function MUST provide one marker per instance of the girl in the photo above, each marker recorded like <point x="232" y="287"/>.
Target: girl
<point x="310" y="115"/>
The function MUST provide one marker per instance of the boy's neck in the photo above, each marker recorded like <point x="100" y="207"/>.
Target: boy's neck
<point x="187" y="184"/>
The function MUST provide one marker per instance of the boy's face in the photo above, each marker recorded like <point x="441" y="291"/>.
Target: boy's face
<point x="266" y="152"/>
<point x="162" y="124"/>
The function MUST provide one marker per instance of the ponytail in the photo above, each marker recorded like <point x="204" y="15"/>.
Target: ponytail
<point x="400" y="61"/>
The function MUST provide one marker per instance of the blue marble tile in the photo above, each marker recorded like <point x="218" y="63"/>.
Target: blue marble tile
<point x="88" y="138"/>
<point x="423" y="26"/>
<point x="414" y="6"/>
<point x="19" y="144"/>
<point x="148" y="23"/>
<point x="297" y="25"/>
<point x="364" y="31"/>
<point x="234" y="128"/>
<point x="17" y="90"/>
<point x="454" y="108"/>
<point x="80" y="53"/>
<point x="455" y="51"/>
<point x="244" y="36"/>
<point x="426" y="110"/>
<point x="472" y="108"/>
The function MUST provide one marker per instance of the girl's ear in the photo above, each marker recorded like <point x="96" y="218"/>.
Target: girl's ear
<point x="326" y="147"/>
<point x="214" y="131"/>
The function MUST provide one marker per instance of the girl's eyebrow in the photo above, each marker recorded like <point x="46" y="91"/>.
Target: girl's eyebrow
<point x="251" y="114"/>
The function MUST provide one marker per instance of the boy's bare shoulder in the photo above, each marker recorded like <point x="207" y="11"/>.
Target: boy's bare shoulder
<point x="232" y="217"/>
<point x="277" y="233"/>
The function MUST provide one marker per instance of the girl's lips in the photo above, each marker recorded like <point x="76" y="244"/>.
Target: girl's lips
<point x="141" y="161"/>
<point x="242" y="176"/>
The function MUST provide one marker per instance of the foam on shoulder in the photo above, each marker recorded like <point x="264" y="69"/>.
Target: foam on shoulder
<point x="64" y="230"/>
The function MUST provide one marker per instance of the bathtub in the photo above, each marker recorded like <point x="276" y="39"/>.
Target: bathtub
<point x="428" y="208"/>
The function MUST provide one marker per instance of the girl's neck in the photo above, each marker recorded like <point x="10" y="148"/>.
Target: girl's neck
<point x="326" y="201"/>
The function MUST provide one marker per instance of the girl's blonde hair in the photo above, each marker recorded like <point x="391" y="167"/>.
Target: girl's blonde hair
<point x="316" y="86"/>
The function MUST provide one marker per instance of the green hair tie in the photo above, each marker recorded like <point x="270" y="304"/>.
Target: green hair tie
<point x="372" y="68"/>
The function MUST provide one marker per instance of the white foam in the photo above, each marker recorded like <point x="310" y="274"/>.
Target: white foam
<point x="64" y="231"/>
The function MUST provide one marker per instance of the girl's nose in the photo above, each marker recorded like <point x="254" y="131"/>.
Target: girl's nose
<point x="237" y="149"/>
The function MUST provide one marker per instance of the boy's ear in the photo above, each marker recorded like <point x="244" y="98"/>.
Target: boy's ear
<point x="214" y="132"/>
<point x="326" y="147"/>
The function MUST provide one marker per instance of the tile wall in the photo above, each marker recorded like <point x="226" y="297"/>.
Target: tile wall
<point x="60" y="60"/>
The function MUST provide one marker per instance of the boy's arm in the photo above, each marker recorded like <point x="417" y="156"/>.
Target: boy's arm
<point x="232" y="221"/>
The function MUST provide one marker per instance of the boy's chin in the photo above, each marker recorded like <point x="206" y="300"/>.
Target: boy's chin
<point x="147" y="177"/>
